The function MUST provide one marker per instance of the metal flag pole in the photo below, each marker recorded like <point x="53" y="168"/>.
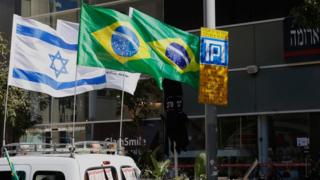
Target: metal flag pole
<point x="210" y="110"/>
<point x="51" y="119"/>
<point x="5" y="116"/>
<point x="121" y="115"/>
<point x="75" y="89"/>
<point x="74" y="108"/>
<point x="122" y="100"/>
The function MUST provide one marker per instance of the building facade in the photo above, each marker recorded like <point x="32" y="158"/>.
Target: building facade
<point x="273" y="107"/>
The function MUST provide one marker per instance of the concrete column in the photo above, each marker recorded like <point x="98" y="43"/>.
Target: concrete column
<point x="263" y="142"/>
<point x="40" y="7"/>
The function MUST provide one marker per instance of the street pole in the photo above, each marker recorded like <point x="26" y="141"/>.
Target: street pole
<point x="211" y="110"/>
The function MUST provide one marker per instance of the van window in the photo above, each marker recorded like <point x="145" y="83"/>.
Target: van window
<point x="101" y="173"/>
<point x="128" y="173"/>
<point x="48" y="175"/>
<point x="7" y="175"/>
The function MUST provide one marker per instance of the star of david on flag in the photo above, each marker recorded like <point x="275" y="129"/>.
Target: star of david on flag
<point x="58" y="64"/>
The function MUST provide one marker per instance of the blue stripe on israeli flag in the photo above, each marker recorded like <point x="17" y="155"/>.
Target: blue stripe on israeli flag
<point x="44" y="36"/>
<point x="44" y="79"/>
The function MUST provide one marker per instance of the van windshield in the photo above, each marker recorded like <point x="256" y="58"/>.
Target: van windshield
<point x="7" y="175"/>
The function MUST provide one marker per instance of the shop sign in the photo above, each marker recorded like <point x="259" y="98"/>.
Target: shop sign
<point x="303" y="142"/>
<point x="300" y="42"/>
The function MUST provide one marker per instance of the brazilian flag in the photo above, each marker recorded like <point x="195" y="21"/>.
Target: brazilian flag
<point x="142" y="44"/>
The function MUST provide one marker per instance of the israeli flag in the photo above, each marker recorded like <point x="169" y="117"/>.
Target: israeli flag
<point x="44" y="61"/>
<point x="120" y="80"/>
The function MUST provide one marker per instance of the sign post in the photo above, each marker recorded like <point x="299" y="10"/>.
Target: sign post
<point x="210" y="111"/>
<point x="213" y="88"/>
<point x="210" y="83"/>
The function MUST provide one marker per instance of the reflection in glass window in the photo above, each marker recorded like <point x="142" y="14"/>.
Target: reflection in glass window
<point x="8" y="175"/>
<point x="61" y="5"/>
<point x="48" y="175"/>
<point x="286" y="132"/>
<point x="237" y="141"/>
<point x="37" y="7"/>
<point x="238" y="133"/>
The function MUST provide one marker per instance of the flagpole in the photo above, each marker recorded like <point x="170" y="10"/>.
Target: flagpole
<point x="51" y="119"/>
<point x="122" y="102"/>
<point x="75" y="88"/>
<point x="121" y="114"/>
<point x="74" y="108"/>
<point x="5" y="116"/>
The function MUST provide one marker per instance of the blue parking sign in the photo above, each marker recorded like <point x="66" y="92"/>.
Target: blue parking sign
<point x="214" y="51"/>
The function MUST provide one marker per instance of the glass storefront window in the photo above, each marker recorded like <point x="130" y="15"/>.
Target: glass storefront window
<point x="287" y="132"/>
<point x="56" y="133"/>
<point x="238" y="133"/>
<point x="289" y="139"/>
<point x="36" y="7"/>
<point x="237" y="142"/>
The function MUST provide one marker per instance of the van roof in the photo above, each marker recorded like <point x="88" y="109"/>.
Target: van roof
<point x="90" y="159"/>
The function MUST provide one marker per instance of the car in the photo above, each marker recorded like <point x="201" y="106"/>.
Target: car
<point x="86" y="161"/>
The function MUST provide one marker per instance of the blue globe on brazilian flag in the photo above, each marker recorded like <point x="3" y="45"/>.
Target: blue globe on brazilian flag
<point x="138" y="43"/>
<point x="177" y="53"/>
<point x="123" y="42"/>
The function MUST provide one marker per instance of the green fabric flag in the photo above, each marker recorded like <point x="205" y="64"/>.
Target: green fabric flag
<point x="13" y="171"/>
<point x="113" y="40"/>
<point x="177" y="48"/>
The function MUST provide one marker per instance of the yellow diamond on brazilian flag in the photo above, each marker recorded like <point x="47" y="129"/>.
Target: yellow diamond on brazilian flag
<point x="122" y="42"/>
<point x="177" y="53"/>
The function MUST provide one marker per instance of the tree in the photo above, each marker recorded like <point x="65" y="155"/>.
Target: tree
<point x="144" y="101"/>
<point x="18" y="108"/>
<point x="307" y="13"/>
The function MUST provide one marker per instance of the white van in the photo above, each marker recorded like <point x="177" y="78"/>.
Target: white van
<point x="46" y="163"/>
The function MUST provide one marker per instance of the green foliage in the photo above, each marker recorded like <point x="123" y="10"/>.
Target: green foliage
<point x="18" y="116"/>
<point x="160" y="168"/>
<point x="308" y="13"/>
<point x="200" y="166"/>
<point x="182" y="177"/>
<point x="144" y="162"/>
<point x="153" y="168"/>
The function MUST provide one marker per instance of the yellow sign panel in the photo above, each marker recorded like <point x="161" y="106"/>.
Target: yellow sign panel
<point x="214" y="59"/>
